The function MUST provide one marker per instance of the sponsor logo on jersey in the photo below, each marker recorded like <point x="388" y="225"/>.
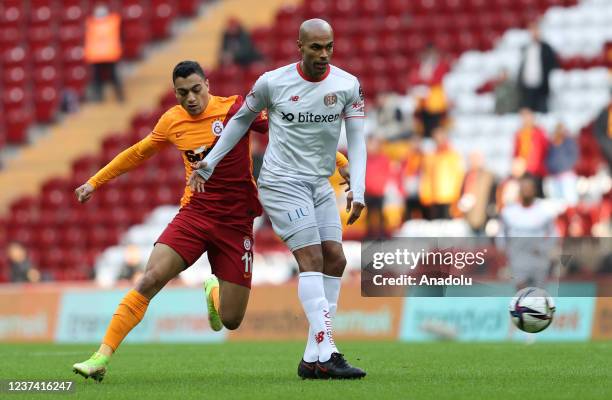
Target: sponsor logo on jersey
<point x="247" y="243"/>
<point x="294" y="98"/>
<point x="330" y="99"/>
<point x="310" y="117"/>
<point x="217" y="128"/>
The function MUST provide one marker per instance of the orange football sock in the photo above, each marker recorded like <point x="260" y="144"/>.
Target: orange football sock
<point x="215" y="297"/>
<point x="127" y="315"/>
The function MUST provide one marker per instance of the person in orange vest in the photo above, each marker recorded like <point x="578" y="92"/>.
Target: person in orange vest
<point x="103" y="48"/>
<point x="442" y="177"/>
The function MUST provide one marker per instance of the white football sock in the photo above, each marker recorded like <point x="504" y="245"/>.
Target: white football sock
<point x="331" y="284"/>
<point x="311" y="292"/>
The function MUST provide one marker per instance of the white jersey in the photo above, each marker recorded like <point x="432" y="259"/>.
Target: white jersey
<point x="305" y="118"/>
<point x="530" y="236"/>
<point x="534" y="221"/>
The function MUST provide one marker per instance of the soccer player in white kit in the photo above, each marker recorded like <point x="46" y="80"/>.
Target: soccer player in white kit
<point x="306" y="102"/>
<point x="530" y="236"/>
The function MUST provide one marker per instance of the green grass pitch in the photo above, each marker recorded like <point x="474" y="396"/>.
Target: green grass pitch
<point x="268" y="371"/>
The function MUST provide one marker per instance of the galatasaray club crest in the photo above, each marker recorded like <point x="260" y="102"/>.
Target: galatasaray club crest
<point x="247" y="243"/>
<point x="330" y="99"/>
<point x="217" y="127"/>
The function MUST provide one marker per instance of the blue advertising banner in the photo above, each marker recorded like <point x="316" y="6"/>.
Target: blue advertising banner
<point x="487" y="319"/>
<point x="175" y="315"/>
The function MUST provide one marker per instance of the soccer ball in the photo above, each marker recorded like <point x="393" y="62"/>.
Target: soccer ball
<point x="532" y="309"/>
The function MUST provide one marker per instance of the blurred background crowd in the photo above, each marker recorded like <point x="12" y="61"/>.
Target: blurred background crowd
<point x="464" y="97"/>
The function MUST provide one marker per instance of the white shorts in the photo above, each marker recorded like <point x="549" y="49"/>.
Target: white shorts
<point x="295" y="206"/>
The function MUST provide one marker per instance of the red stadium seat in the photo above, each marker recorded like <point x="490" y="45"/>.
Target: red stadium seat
<point x="139" y="35"/>
<point x="46" y="103"/>
<point x="46" y="75"/>
<point x="9" y="37"/>
<point x="161" y="18"/>
<point x="47" y="55"/>
<point x="73" y="55"/>
<point x="71" y="35"/>
<point x="76" y="78"/>
<point x="15" y="75"/>
<point x="168" y="100"/>
<point x="15" y="56"/>
<point x="17" y="123"/>
<point x="12" y="14"/>
<point x="188" y="8"/>
<point x="73" y="15"/>
<point x="42" y="15"/>
<point x="14" y="98"/>
<point x="21" y="234"/>
<point x="40" y="36"/>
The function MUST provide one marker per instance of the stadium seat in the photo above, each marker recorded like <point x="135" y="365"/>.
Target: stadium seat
<point x="42" y="15"/>
<point x="40" y="36"/>
<point x="14" y="76"/>
<point x="71" y="35"/>
<point x="188" y="8"/>
<point x="163" y="13"/>
<point x="46" y="103"/>
<point x="76" y="78"/>
<point x="12" y="14"/>
<point x="47" y="55"/>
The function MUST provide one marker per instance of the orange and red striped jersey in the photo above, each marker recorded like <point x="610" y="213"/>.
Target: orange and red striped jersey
<point x="231" y="192"/>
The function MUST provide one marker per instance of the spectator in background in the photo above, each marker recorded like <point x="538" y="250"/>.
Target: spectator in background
<point x="506" y="94"/>
<point x="133" y="266"/>
<point x="603" y="134"/>
<point x="390" y="119"/>
<point x="538" y="61"/>
<point x="20" y="267"/>
<point x="560" y="162"/>
<point x="411" y="178"/>
<point x="531" y="144"/>
<point x="508" y="190"/>
<point x="426" y="85"/>
<point x="237" y="46"/>
<point x="442" y="177"/>
<point x="103" y="49"/>
<point x="378" y="170"/>
<point x="476" y="193"/>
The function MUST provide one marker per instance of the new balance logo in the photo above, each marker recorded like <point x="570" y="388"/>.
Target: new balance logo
<point x="319" y="336"/>
<point x="294" y="98"/>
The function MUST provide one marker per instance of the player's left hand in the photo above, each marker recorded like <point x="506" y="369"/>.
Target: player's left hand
<point x="346" y="175"/>
<point x="196" y="182"/>
<point x="354" y="207"/>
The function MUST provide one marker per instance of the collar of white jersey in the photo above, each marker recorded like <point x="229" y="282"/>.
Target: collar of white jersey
<point x="306" y="78"/>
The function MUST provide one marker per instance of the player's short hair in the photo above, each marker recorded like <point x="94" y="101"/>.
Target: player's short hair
<point x="186" y="68"/>
<point x="527" y="177"/>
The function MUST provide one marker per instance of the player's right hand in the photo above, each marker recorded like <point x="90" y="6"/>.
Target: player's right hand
<point x="199" y="164"/>
<point x="84" y="192"/>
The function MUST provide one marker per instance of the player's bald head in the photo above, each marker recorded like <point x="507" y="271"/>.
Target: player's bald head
<point x="315" y="28"/>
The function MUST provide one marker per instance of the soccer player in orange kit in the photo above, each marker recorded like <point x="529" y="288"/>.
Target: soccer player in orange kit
<point x="218" y="221"/>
